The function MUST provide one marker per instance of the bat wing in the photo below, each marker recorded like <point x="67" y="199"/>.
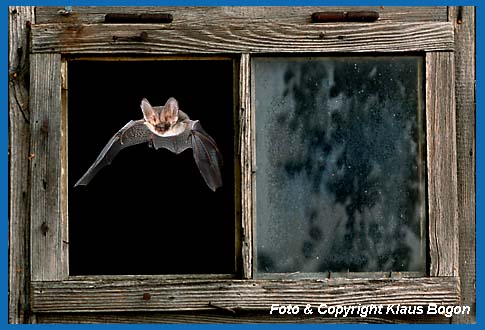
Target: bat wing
<point x="134" y="132"/>
<point x="207" y="156"/>
<point x="205" y="151"/>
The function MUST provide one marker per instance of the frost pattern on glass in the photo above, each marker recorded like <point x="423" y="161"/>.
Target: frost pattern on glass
<point x="340" y="183"/>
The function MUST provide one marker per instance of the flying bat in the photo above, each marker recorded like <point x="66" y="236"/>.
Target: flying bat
<point x="164" y="127"/>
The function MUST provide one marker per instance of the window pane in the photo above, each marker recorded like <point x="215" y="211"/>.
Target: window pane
<point x="340" y="181"/>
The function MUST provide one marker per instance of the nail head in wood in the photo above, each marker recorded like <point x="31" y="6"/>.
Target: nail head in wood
<point x="44" y="228"/>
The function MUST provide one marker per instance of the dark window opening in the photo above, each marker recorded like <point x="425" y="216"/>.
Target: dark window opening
<point x="150" y="211"/>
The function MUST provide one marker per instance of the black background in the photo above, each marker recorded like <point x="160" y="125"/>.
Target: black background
<point x="149" y="212"/>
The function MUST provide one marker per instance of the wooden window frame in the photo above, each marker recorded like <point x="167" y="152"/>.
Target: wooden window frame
<point x="54" y="38"/>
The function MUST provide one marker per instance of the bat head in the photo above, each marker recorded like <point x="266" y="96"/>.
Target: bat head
<point x="170" y="112"/>
<point x="160" y="119"/>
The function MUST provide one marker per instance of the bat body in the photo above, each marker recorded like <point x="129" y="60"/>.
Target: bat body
<point x="164" y="127"/>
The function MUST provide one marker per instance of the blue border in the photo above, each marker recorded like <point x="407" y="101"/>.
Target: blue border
<point x="236" y="3"/>
<point x="4" y="124"/>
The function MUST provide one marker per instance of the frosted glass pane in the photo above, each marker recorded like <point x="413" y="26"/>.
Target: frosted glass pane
<point x="340" y="179"/>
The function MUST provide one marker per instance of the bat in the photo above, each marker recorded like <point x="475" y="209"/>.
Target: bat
<point x="164" y="127"/>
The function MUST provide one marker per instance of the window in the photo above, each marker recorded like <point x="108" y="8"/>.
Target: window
<point x="340" y="163"/>
<point x="151" y="210"/>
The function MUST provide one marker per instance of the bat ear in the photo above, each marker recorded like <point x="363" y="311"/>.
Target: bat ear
<point x="148" y="112"/>
<point x="171" y="110"/>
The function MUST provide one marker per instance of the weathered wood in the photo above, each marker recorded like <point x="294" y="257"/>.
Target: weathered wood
<point x="48" y="222"/>
<point x="230" y="37"/>
<point x="19" y="137"/>
<point x="441" y="160"/>
<point x="216" y="15"/>
<point x="246" y="164"/>
<point x="235" y="295"/>
<point x="463" y="19"/>
<point x="205" y="317"/>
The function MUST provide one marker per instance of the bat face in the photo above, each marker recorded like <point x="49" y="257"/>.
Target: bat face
<point x="162" y="121"/>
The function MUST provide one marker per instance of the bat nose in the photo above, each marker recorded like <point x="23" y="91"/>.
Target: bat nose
<point x="162" y="127"/>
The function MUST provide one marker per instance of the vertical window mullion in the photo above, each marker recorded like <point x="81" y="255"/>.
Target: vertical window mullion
<point x="247" y="148"/>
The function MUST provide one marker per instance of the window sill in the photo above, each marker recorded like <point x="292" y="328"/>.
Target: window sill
<point x="151" y="294"/>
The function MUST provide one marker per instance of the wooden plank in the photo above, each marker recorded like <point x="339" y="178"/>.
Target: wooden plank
<point x="441" y="160"/>
<point x="246" y="164"/>
<point x="64" y="234"/>
<point x="19" y="137"/>
<point x="47" y="139"/>
<point x="227" y="317"/>
<point x="463" y="19"/>
<point x="196" y="15"/>
<point x="235" y="295"/>
<point x="230" y="37"/>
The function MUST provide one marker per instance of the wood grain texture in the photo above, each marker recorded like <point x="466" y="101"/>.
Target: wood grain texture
<point x="246" y="165"/>
<point x="235" y="295"/>
<point x="221" y="317"/>
<point x="463" y="19"/>
<point x="48" y="259"/>
<point x="216" y="15"/>
<point x="19" y="138"/>
<point x="230" y="37"/>
<point x="441" y="162"/>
